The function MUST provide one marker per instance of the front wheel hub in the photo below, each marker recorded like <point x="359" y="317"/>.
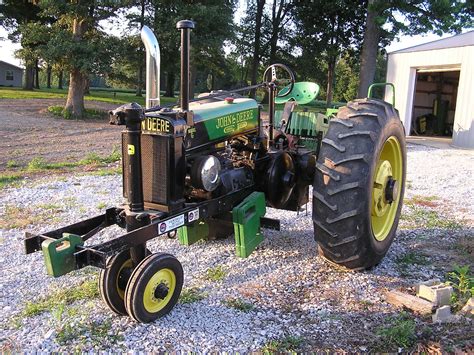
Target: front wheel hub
<point x="391" y="190"/>
<point x="383" y="176"/>
<point x="161" y="291"/>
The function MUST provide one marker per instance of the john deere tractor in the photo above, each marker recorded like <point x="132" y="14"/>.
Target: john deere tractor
<point x="210" y="166"/>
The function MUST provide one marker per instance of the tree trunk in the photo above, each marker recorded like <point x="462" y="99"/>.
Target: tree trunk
<point x="48" y="76"/>
<point x="78" y="80"/>
<point x="87" y="87"/>
<point x="330" y="86"/>
<point x="75" y="95"/>
<point x="29" y="77"/>
<point x="140" y="69"/>
<point x="256" y="48"/>
<point x="192" y="80"/>
<point x="60" y="80"/>
<point x="170" y="77"/>
<point x="368" y="58"/>
<point x="139" y="81"/>
<point x="37" y="85"/>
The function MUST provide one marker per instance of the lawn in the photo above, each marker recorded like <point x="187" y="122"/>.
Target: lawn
<point x="108" y="95"/>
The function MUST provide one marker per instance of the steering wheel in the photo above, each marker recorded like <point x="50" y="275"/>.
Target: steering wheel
<point x="271" y="76"/>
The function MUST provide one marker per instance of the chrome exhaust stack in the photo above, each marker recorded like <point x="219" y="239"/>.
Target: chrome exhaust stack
<point x="152" y="67"/>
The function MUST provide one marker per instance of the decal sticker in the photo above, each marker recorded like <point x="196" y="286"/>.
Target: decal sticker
<point x="171" y="224"/>
<point x="131" y="149"/>
<point x="193" y="215"/>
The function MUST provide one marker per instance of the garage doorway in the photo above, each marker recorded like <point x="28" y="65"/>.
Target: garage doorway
<point x="434" y="103"/>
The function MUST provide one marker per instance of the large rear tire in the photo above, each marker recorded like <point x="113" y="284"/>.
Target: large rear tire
<point x="359" y="184"/>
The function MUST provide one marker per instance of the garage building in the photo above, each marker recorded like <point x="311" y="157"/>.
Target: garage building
<point x="434" y="85"/>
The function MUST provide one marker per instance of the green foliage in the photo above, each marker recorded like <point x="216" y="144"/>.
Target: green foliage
<point x="97" y="333"/>
<point x="89" y="113"/>
<point x="463" y="283"/>
<point x="239" y="304"/>
<point x="347" y="78"/>
<point x="287" y="344"/>
<point x="191" y="295"/>
<point x="405" y="261"/>
<point x="9" y="178"/>
<point x="39" y="164"/>
<point x="399" y="332"/>
<point x="86" y="290"/>
<point x="12" y="164"/>
<point x="217" y="273"/>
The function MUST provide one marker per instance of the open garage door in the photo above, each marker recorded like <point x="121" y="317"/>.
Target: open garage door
<point x="434" y="102"/>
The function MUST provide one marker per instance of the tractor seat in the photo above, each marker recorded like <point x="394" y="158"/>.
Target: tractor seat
<point x="303" y="93"/>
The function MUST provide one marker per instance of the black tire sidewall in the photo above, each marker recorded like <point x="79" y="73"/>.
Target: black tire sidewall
<point x="108" y="279"/>
<point x="139" y="279"/>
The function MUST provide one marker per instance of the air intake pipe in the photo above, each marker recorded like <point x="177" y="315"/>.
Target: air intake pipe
<point x="152" y="67"/>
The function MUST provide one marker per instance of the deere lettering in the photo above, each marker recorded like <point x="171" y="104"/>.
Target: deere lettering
<point x="156" y="124"/>
<point x="234" y="121"/>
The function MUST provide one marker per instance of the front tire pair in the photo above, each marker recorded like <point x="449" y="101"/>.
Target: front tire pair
<point x="146" y="292"/>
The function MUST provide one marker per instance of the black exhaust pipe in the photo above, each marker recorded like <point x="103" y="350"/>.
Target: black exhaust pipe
<point x="185" y="26"/>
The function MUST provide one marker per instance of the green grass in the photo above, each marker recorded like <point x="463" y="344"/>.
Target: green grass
<point x="216" y="274"/>
<point x="97" y="333"/>
<point x="191" y="295"/>
<point x="9" y="178"/>
<point x="239" y="304"/>
<point x="408" y="259"/>
<point x="284" y="345"/>
<point x="12" y="164"/>
<point x="399" y="332"/>
<point x="418" y="216"/>
<point x="113" y="96"/>
<point x="101" y="205"/>
<point x="90" y="113"/>
<point x="85" y="291"/>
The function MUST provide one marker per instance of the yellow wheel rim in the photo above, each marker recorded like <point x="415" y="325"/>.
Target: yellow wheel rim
<point x="126" y="264"/>
<point x="159" y="290"/>
<point x="387" y="188"/>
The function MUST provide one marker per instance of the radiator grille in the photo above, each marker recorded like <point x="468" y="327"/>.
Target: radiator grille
<point x="155" y="168"/>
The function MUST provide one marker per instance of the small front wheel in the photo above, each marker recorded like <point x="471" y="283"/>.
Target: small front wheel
<point x="114" y="278"/>
<point x="154" y="287"/>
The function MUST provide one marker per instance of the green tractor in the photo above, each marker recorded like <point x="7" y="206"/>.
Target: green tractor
<point x="210" y="167"/>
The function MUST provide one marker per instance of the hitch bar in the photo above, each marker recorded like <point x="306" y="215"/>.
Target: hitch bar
<point x="161" y="223"/>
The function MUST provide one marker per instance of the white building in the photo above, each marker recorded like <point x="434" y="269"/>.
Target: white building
<point x="434" y="85"/>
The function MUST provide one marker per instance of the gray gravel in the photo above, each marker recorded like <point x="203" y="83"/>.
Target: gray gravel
<point x="294" y="292"/>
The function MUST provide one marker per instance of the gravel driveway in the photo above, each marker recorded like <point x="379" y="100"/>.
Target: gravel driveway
<point x="283" y="297"/>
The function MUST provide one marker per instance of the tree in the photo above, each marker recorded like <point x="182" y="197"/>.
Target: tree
<point x="258" y="6"/>
<point x="280" y="17"/>
<point x="214" y="25"/>
<point x="328" y="29"/>
<point x="19" y="17"/>
<point x="78" y="45"/>
<point x="386" y="19"/>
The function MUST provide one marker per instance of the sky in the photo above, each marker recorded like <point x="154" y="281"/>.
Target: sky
<point x="7" y="48"/>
